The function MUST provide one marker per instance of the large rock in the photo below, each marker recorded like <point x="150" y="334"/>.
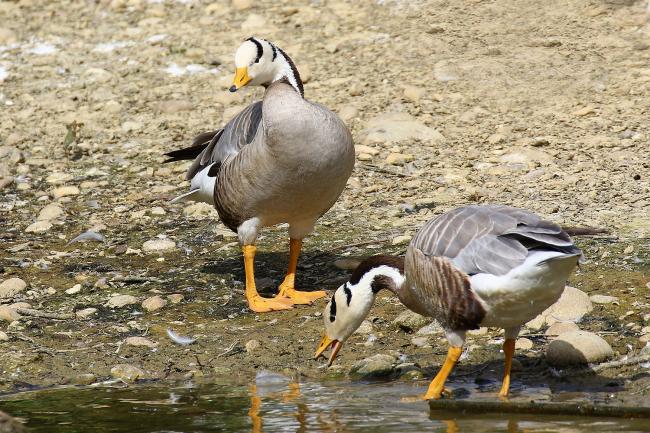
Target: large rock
<point x="396" y="127"/>
<point x="8" y="314"/>
<point x="559" y="328"/>
<point x="376" y="366"/>
<point x="571" y="307"/>
<point x="11" y="287"/>
<point x="50" y="212"/>
<point x="410" y="321"/>
<point x="577" y="347"/>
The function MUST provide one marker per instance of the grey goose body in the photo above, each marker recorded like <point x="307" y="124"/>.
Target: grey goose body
<point x="472" y="266"/>
<point x="280" y="160"/>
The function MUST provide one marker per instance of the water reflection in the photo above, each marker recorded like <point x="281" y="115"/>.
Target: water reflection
<point x="274" y="403"/>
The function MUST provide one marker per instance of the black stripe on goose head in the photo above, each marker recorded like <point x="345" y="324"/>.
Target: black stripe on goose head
<point x="333" y="309"/>
<point x="295" y="73"/>
<point x="348" y="293"/>
<point x="260" y="48"/>
<point x="374" y="262"/>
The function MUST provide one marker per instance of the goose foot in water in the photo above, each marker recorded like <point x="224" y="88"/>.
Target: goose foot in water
<point x="437" y="386"/>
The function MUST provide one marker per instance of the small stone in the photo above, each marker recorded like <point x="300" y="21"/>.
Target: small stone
<point x="252" y="345"/>
<point x="629" y="249"/>
<point x="409" y="321"/>
<point x="130" y="126"/>
<point x="347" y="264"/>
<point x="154" y="303"/>
<point x="3" y="336"/>
<point x="376" y="366"/>
<point x="401" y="240"/>
<point x="82" y="379"/>
<point x="432" y="328"/>
<point x="645" y="338"/>
<point x="413" y="93"/>
<point x="523" y="344"/>
<point x="198" y="210"/>
<point x="420" y="341"/>
<point x="119" y="301"/>
<point x="173" y="106"/>
<point x="365" y="328"/>
<point x="7" y="36"/>
<point x="398" y="126"/>
<point x="127" y="373"/>
<point x="158" y="245"/>
<point x="58" y="177"/>
<point x="11" y="287"/>
<point x="589" y="109"/>
<point x="577" y="347"/>
<point x="175" y="298"/>
<point x="8" y="314"/>
<point x="64" y="191"/>
<point x="50" y="212"/>
<point x="253" y="23"/>
<point x="477" y="332"/>
<point x="39" y="227"/>
<point x="348" y="112"/>
<point x="559" y="328"/>
<point x="85" y="313"/>
<point x="603" y="299"/>
<point x="140" y="341"/>
<point x="361" y="148"/>
<point x="242" y="5"/>
<point x="396" y="158"/>
<point x="113" y="107"/>
<point x="74" y="289"/>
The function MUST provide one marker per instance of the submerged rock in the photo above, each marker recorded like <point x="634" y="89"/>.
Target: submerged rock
<point x="376" y="366"/>
<point x="577" y="347"/>
<point x="9" y="424"/>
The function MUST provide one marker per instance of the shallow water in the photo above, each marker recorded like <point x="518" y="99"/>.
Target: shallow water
<point x="272" y="404"/>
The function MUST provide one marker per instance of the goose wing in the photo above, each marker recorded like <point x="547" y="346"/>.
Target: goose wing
<point x="490" y="239"/>
<point x="216" y="146"/>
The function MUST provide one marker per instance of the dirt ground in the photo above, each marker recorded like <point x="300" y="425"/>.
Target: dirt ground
<point x="542" y="105"/>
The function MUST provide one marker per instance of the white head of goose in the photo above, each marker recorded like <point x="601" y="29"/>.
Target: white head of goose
<point x="473" y="266"/>
<point x="280" y="160"/>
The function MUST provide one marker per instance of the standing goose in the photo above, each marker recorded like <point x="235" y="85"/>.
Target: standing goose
<point x="473" y="266"/>
<point x="280" y="160"/>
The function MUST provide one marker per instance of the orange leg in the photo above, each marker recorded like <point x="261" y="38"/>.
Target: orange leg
<point x="438" y="383"/>
<point x="509" y="351"/>
<point x="254" y="411"/>
<point x="287" y="288"/>
<point x="255" y="301"/>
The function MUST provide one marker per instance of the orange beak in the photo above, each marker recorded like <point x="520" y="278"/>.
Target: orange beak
<point x="324" y="344"/>
<point x="240" y="80"/>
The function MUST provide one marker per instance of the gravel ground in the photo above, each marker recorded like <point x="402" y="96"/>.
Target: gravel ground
<point x="542" y="105"/>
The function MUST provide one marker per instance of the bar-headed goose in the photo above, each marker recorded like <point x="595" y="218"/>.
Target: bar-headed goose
<point x="473" y="266"/>
<point x="280" y="160"/>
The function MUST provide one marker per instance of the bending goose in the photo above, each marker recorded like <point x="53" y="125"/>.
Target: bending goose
<point x="474" y="266"/>
<point x="280" y="160"/>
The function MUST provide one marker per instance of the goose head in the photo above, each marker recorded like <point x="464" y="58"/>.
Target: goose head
<point x="259" y="62"/>
<point x="352" y="301"/>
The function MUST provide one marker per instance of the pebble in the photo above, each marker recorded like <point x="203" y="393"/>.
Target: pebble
<point x="396" y="127"/>
<point x="113" y="107"/>
<point x="83" y="379"/>
<point x="252" y="345"/>
<point x="158" y="245"/>
<point x="140" y="341"/>
<point x="130" y="126"/>
<point x="445" y="71"/>
<point x="420" y="341"/>
<point x="11" y="287"/>
<point x="253" y="23"/>
<point x="241" y="5"/>
<point x="396" y="158"/>
<point x="559" y="328"/>
<point x="401" y="240"/>
<point x="4" y="336"/>
<point x="85" y="313"/>
<point x="127" y="372"/>
<point x="365" y="328"/>
<point x="413" y="93"/>
<point x="64" y="191"/>
<point x="58" y="177"/>
<point x="175" y="298"/>
<point x="432" y="328"/>
<point x="645" y="338"/>
<point x="7" y="36"/>
<point x="154" y="303"/>
<point x="173" y="106"/>
<point x="578" y="347"/>
<point x="376" y="366"/>
<point x="198" y="210"/>
<point x="347" y="264"/>
<point x="589" y="109"/>
<point x="119" y="301"/>
<point x="409" y="321"/>
<point x="362" y="148"/>
<point x="74" y="289"/>
<point x="5" y="181"/>
<point x="8" y="314"/>
<point x="603" y="299"/>
<point x="39" y="227"/>
<point x="50" y="212"/>
<point x="523" y="344"/>
<point x="348" y="112"/>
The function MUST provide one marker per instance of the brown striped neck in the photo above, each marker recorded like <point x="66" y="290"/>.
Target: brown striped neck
<point x="384" y="270"/>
